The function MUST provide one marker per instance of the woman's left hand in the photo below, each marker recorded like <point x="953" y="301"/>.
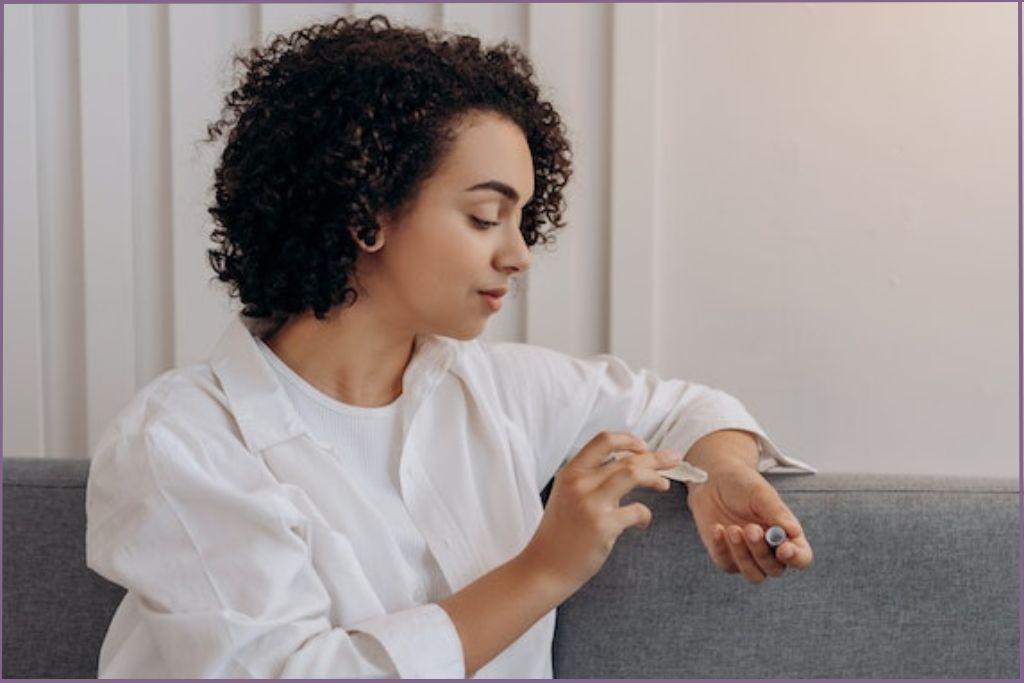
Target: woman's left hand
<point x="737" y="500"/>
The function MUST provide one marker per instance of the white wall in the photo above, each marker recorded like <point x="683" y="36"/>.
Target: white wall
<point x="812" y="207"/>
<point x="838" y="226"/>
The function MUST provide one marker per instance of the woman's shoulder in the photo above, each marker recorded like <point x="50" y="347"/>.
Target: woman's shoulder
<point x="186" y="402"/>
<point x="531" y="378"/>
<point x="499" y="351"/>
<point x="514" y="360"/>
<point x="175" y="443"/>
<point x="511" y="356"/>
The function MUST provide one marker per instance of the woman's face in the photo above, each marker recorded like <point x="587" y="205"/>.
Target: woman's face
<point x="436" y="259"/>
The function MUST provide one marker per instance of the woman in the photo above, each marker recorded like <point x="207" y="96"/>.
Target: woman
<point x="349" y="487"/>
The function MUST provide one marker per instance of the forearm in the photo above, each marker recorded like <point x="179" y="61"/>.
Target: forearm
<point x="490" y="613"/>
<point x="724" y="446"/>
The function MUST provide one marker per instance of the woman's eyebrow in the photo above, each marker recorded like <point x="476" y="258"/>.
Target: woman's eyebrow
<point x="497" y="186"/>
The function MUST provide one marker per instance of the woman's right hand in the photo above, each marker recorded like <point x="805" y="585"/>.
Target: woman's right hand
<point x="583" y="519"/>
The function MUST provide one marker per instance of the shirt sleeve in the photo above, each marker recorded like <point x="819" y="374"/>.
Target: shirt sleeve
<point x="222" y="577"/>
<point x="563" y="402"/>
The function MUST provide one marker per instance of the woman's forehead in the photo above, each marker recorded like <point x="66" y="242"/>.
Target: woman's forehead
<point x="488" y="159"/>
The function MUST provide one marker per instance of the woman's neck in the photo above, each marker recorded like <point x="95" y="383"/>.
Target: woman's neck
<point x="358" y="362"/>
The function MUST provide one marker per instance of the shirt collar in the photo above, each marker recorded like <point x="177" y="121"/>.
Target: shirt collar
<point x="260" y="404"/>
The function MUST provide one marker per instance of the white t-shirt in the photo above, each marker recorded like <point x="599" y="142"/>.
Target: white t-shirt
<point x="250" y="547"/>
<point x="369" y="442"/>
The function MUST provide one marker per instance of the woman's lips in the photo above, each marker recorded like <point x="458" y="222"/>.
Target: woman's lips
<point x="493" y="301"/>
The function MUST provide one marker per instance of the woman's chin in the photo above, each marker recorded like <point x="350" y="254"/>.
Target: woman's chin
<point x="468" y="333"/>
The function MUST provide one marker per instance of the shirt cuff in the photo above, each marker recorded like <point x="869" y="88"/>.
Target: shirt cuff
<point x="422" y="641"/>
<point x="773" y="460"/>
<point x="770" y="458"/>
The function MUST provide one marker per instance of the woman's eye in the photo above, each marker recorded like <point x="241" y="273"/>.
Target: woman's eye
<point x="485" y="224"/>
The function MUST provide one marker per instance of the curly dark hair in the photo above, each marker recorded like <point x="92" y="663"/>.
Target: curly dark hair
<point x="339" y="121"/>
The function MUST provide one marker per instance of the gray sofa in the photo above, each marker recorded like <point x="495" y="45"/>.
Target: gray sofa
<point x="914" y="577"/>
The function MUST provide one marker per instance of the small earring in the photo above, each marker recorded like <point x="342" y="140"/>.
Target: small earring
<point x="368" y="243"/>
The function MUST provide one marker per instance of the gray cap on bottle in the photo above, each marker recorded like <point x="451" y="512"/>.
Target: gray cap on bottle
<point x="775" y="536"/>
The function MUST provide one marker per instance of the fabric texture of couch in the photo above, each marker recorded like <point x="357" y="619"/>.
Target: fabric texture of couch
<point x="913" y="577"/>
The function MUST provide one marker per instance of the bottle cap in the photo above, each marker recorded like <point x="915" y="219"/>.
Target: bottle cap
<point x="775" y="536"/>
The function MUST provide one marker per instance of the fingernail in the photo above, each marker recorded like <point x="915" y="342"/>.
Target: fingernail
<point x="786" y="552"/>
<point x="752" y="535"/>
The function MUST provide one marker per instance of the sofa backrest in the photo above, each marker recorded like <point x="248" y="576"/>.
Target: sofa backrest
<point x="913" y="577"/>
<point x="56" y="610"/>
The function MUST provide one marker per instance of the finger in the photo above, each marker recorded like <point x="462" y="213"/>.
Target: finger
<point x="741" y="555"/>
<point x="647" y="459"/>
<point x="718" y="548"/>
<point x="769" y="506"/>
<point x="654" y="460"/>
<point x="802" y="555"/>
<point x="598" y="448"/>
<point x="634" y="514"/>
<point x="626" y="478"/>
<point x="763" y="554"/>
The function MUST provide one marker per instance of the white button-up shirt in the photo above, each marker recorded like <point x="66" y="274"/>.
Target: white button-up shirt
<point x="247" y="550"/>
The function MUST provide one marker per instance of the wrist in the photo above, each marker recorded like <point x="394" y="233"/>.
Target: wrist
<point x="726" y="448"/>
<point x="541" y="579"/>
<point x="724" y="467"/>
